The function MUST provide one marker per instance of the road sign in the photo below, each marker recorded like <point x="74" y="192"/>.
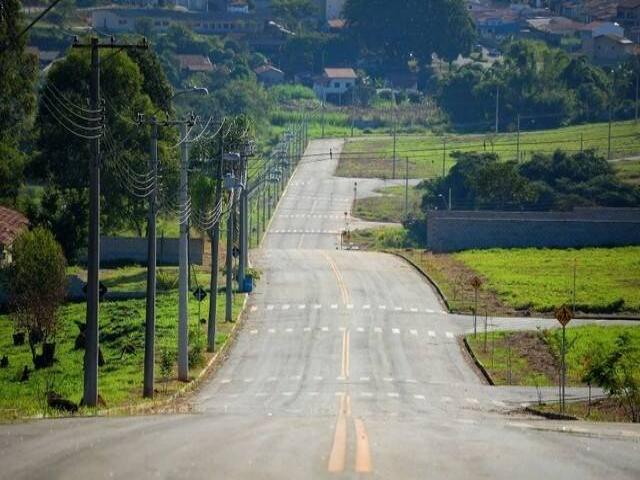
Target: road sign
<point x="563" y="315"/>
<point x="200" y="294"/>
<point x="476" y="282"/>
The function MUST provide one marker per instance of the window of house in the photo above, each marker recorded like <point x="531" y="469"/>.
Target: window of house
<point x="336" y="84"/>
<point x="165" y="23"/>
<point x="122" y="22"/>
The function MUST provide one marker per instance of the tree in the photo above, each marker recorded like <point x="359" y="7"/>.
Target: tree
<point x="131" y="84"/>
<point x="395" y="30"/>
<point x="294" y="13"/>
<point x="618" y="373"/>
<point x="18" y="73"/>
<point x="38" y="288"/>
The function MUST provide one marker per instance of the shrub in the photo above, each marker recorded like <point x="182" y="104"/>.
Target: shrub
<point x="38" y="288"/>
<point x="166" y="280"/>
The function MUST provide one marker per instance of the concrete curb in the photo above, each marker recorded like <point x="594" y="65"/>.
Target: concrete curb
<point x="549" y="415"/>
<point x="478" y="363"/>
<point x="443" y="299"/>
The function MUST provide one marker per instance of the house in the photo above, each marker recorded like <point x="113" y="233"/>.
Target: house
<point x="238" y="6"/>
<point x="628" y="16"/>
<point x="269" y="75"/>
<point x="611" y="49"/>
<point x="121" y="20"/>
<point x="553" y="29"/>
<point x="195" y="63"/>
<point x="193" y="5"/>
<point x="496" y="23"/>
<point x="586" y="11"/>
<point x="595" y="29"/>
<point x="12" y="223"/>
<point x="334" y="84"/>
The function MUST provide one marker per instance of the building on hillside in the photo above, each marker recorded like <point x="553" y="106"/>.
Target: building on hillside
<point x="238" y="6"/>
<point x="193" y="5"/>
<point x="12" y="224"/>
<point x="269" y="75"/>
<point x="586" y="11"/>
<point x="120" y="20"/>
<point x="553" y="29"/>
<point x="195" y="63"/>
<point x="628" y="16"/>
<point x="611" y="49"/>
<point x="335" y="85"/>
<point x="594" y="29"/>
<point x="496" y="23"/>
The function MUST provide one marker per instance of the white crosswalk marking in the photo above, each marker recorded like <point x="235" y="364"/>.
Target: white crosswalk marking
<point x="248" y="380"/>
<point x="269" y="307"/>
<point x="428" y="310"/>
<point x="286" y="306"/>
<point x="473" y="400"/>
<point x="307" y="329"/>
<point x="349" y="307"/>
<point x="254" y="308"/>
<point x="325" y="329"/>
<point x="393" y="394"/>
<point x="413" y="332"/>
<point x="388" y="379"/>
<point x="272" y="330"/>
<point x="414" y="309"/>
<point x="289" y="330"/>
<point x="254" y="332"/>
<point x="418" y="397"/>
<point x="272" y="379"/>
<point x="364" y="379"/>
<point x="312" y="394"/>
<point x="334" y="306"/>
<point x="398" y="309"/>
<point x="445" y="399"/>
<point x="318" y="378"/>
<point x="261" y="394"/>
<point x="395" y="330"/>
<point x="317" y="306"/>
<point x="382" y="307"/>
<point x="342" y="329"/>
<point x="366" y="307"/>
<point x="366" y="394"/>
<point x="360" y="329"/>
<point x="226" y="380"/>
<point x="377" y="329"/>
<point x="499" y="403"/>
<point x="449" y="334"/>
<point x="287" y="394"/>
<point x="302" y="307"/>
<point x="431" y="333"/>
<point x="341" y="379"/>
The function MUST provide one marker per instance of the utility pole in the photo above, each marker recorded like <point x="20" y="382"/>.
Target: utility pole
<point x="229" y="260"/>
<point x="444" y="155"/>
<point x="244" y="225"/>
<point x="183" y="258"/>
<point x="518" y="141"/>
<point x="214" y="234"/>
<point x="497" y="107"/>
<point x="395" y="134"/>
<point x="609" y="135"/>
<point x="150" y="321"/>
<point x="406" y="188"/>
<point x="90" y="393"/>
<point x="637" y="93"/>
<point x="449" y="198"/>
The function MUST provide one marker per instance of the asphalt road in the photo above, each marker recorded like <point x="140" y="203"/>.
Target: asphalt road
<point x="347" y="367"/>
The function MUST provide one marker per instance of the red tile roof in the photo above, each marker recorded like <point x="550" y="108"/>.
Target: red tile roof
<point x="340" y="73"/>
<point x="11" y="224"/>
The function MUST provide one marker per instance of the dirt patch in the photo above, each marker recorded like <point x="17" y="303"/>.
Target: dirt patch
<point x="537" y="353"/>
<point x="600" y="410"/>
<point x="454" y="279"/>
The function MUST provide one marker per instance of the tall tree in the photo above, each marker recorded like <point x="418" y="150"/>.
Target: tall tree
<point x="18" y="72"/>
<point x="397" y="30"/>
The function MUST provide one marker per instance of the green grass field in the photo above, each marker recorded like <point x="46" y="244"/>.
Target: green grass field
<point x="389" y="206"/>
<point x="373" y="156"/>
<point x="629" y="171"/>
<point x="121" y="328"/>
<point x="607" y="279"/>
<point x="534" y="355"/>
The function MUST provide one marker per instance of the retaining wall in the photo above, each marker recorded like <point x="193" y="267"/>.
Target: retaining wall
<point x="449" y="231"/>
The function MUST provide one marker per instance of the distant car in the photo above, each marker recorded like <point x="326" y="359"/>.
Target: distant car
<point x="477" y="47"/>
<point x="494" y="52"/>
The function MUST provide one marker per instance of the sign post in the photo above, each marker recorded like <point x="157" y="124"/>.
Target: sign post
<point x="563" y="315"/>
<point x="476" y="283"/>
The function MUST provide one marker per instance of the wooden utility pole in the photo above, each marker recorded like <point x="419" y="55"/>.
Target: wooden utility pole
<point x="90" y="394"/>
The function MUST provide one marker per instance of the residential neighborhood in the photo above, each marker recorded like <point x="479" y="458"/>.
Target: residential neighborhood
<point x="320" y="239"/>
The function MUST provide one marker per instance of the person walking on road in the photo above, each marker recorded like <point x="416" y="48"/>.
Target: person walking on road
<point x="331" y="154"/>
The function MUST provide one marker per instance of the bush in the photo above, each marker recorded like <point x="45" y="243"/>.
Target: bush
<point x="289" y="93"/>
<point x="617" y="372"/>
<point x="38" y="286"/>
